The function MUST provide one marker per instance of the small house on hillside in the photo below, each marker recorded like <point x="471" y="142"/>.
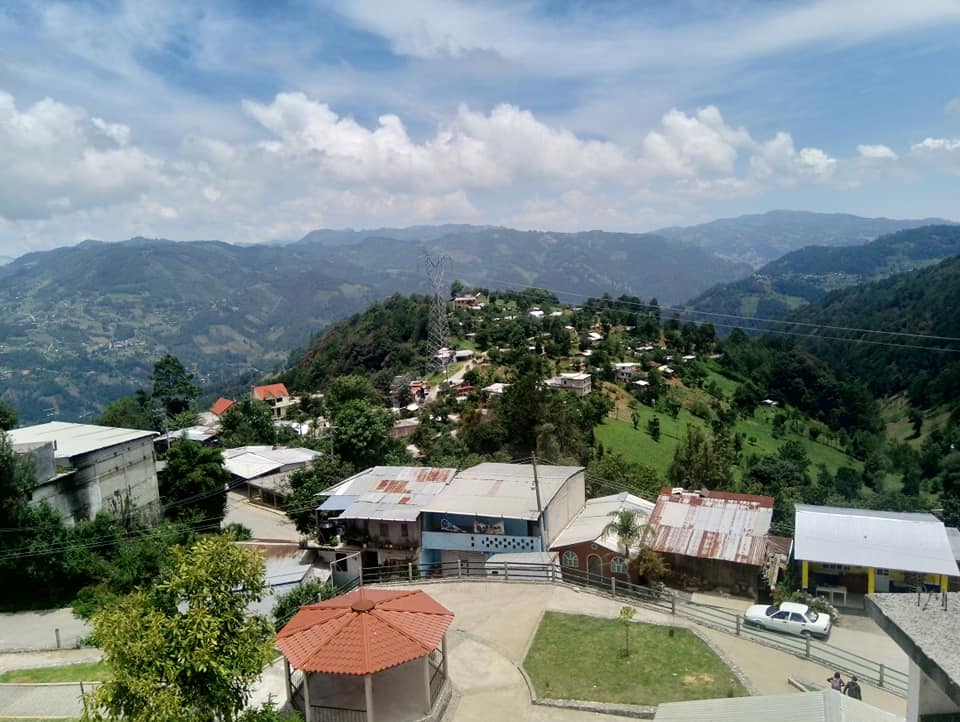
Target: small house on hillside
<point x="261" y="471"/>
<point x="587" y="550"/>
<point x="579" y="384"/>
<point x="850" y="552"/>
<point x="276" y="397"/>
<point x="713" y="539"/>
<point x="221" y="406"/>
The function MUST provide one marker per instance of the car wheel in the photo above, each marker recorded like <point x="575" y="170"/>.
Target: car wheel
<point x="806" y="633"/>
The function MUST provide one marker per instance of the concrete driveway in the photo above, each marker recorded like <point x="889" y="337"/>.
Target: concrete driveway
<point x="496" y="621"/>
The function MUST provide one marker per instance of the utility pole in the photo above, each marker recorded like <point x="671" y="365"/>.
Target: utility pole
<point x="540" y="515"/>
<point x="330" y="429"/>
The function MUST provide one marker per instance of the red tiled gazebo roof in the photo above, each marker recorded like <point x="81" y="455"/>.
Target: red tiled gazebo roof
<point x="220" y="406"/>
<point x="364" y="632"/>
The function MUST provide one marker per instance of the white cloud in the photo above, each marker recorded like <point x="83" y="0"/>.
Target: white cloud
<point x="62" y="169"/>
<point x="876" y="152"/>
<point x="595" y="40"/>
<point x="778" y="160"/>
<point x="937" y="145"/>
<point x="941" y="153"/>
<point x="55" y="158"/>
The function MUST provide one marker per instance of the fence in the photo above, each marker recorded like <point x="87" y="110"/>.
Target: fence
<point x="661" y="600"/>
<point x="336" y="714"/>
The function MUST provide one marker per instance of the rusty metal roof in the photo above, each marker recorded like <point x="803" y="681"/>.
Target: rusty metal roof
<point x="387" y="492"/>
<point x="364" y="632"/>
<point x="712" y="525"/>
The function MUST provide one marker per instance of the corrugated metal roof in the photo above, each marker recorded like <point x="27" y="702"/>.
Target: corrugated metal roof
<point x="75" y="439"/>
<point x="198" y="433"/>
<point x="909" y="542"/>
<point x="497" y="490"/>
<point x="823" y="706"/>
<point x="249" y="462"/>
<point x="390" y="493"/>
<point x="364" y="632"/>
<point x="589" y="523"/>
<point x="712" y="525"/>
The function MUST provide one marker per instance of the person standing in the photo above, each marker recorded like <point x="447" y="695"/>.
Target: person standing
<point x="835" y="682"/>
<point x="852" y="689"/>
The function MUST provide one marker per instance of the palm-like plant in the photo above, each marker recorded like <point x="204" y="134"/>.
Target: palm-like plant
<point x="629" y="529"/>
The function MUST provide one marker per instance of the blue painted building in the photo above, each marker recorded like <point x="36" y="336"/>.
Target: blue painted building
<point x="492" y="508"/>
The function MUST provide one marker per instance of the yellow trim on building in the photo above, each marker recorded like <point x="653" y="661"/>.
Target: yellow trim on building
<point x="805" y="583"/>
<point x="871" y="580"/>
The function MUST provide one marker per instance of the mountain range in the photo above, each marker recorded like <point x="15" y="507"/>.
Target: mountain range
<point x="806" y="275"/>
<point x="82" y="325"/>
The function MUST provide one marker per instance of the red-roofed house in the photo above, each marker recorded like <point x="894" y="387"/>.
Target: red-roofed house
<point x="370" y="649"/>
<point x="221" y="406"/>
<point x="713" y="539"/>
<point x="277" y="396"/>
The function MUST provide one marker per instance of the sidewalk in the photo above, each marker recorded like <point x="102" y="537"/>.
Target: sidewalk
<point x="32" y="631"/>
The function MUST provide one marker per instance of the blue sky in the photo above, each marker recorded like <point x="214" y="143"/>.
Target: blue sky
<point x="250" y="121"/>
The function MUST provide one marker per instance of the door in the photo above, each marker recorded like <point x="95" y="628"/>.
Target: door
<point x="881" y="581"/>
<point x="779" y="622"/>
<point x="594" y="569"/>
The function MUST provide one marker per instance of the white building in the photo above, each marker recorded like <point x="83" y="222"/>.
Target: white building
<point x="83" y="469"/>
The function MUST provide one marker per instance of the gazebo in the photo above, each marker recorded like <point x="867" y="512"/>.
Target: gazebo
<point x="371" y="649"/>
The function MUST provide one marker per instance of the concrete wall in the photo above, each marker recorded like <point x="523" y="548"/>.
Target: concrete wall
<point x="739" y="579"/>
<point x="103" y="476"/>
<point x="925" y="697"/>
<point x="584" y="550"/>
<point x="565" y="505"/>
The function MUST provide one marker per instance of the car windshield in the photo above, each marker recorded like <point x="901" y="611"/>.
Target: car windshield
<point x="771" y="610"/>
<point x="812" y="615"/>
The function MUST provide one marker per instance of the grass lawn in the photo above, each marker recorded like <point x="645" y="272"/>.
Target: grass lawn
<point x="85" y="672"/>
<point x="580" y="657"/>
<point x="617" y="434"/>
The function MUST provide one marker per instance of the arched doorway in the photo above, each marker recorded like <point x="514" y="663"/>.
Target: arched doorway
<point x="594" y="569"/>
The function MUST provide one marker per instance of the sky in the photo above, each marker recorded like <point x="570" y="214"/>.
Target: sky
<point x="249" y="121"/>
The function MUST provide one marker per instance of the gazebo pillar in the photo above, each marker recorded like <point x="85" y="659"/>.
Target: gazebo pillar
<point x="286" y="680"/>
<point x="443" y="650"/>
<point x="307" y="711"/>
<point x="368" y="693"/>
<point x="426" y="685"/>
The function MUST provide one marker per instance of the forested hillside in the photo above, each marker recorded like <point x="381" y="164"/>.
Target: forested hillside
<point x="761" y="238"/>
<point x="917" y="345"/>
<point x="806" y="275"/>
<point x="82" y="326"/>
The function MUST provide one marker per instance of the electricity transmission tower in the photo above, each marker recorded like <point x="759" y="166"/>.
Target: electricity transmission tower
<point x="438" y="332"/>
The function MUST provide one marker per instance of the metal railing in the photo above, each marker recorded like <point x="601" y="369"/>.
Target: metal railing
<point x="336" y="714"/>
<point x="662" y="600"/>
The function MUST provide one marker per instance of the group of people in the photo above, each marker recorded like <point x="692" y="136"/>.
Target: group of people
<point x="851" y="688"/>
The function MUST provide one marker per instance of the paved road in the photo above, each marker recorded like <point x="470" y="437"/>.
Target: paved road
<point x="263" y="522"/>
<point x="29" y="631"/>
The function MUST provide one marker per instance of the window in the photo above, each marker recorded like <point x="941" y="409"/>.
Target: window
<point x="384" y="530"/>
<point x="570" y="559"/>
<point x="404" y="530"/>
<point x="618" y="565"/>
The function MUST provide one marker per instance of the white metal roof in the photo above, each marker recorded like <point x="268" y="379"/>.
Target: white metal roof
<point x="953" y="535"/>
<point x="198" y="433"/>
<point x="249" y="462"/>
<point x="75" y="439"/>
<point x="501" y="490"/>
<point x="588" y="525"/>
<point x="823" y="706"/>
<point x="909" y="542"/>
<point x="390" y="493"/>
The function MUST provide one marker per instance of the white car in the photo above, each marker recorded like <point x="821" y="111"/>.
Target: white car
<point x="788" y="617"/>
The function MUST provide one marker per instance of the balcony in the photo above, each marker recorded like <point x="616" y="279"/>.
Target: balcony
<point x="491" y="543"/>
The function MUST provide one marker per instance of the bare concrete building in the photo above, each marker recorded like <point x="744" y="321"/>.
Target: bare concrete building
<point x="82" y="469"/>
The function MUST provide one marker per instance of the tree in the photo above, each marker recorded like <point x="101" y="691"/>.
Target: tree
<point x="308" y="592"/>
<point x="306" y="483"/>
<point x="8" y="417"/>
<point x="627" y="526"/>
<point x="173" y="386"/>
<point x="193" y="484"/>
<point x="249" y="421"/>
<point x="128" y="412"/>
<point x="700" y="462"/>
<point x="626" y="616"/>
<point x="653" y="428"/>
<point x="916" y="420"/>
<point x="344" y="389"/>
<point x="16" y="483"/>
<point x="184" y="649"/>
<point x="360" y="436"/>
